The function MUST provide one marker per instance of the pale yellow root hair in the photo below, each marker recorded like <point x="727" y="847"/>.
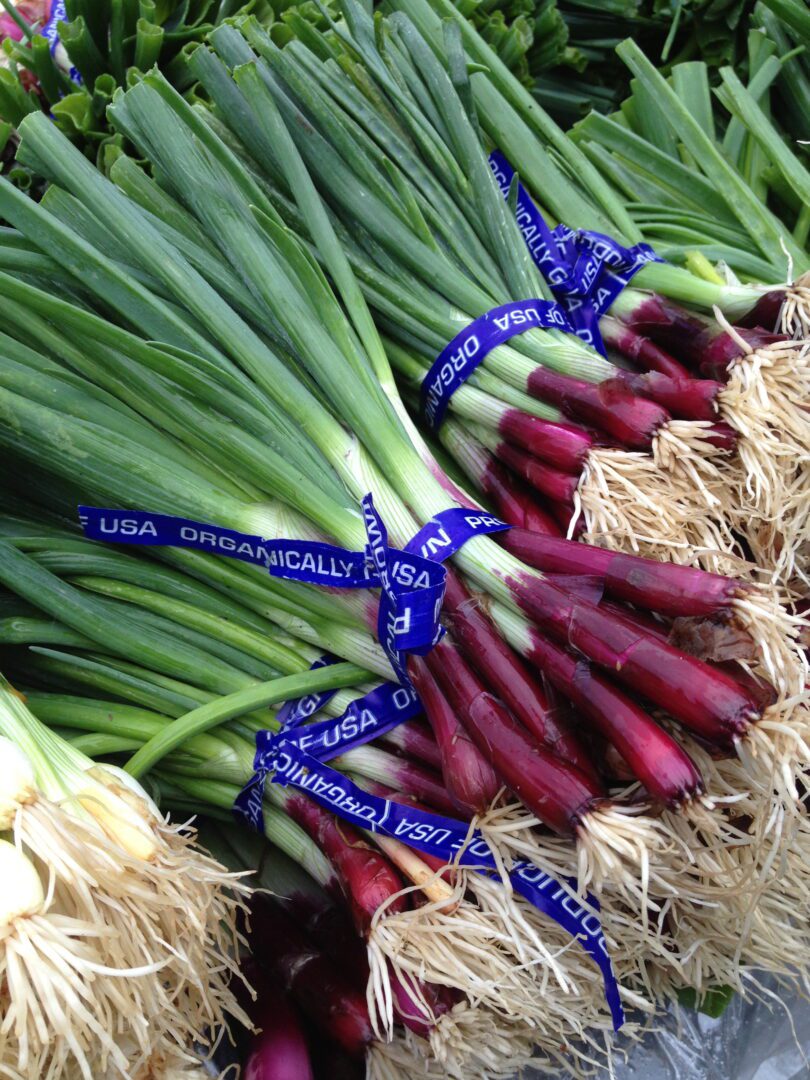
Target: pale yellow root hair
<point x="733" y="886"/>
<point x="692" y="502"/>
<point x="667" y="504"/>
<point x="484" y="1046"/>
<point x="726" y="889"/>
<point x="526" y="982"/>
<point x="125" y="948"/>
<point x="720" y="895"/>
<point x="777" y="635"/>
<point x="794" y="317"/>
<point x="617" y="841"/>
<point x="767" y="401"/>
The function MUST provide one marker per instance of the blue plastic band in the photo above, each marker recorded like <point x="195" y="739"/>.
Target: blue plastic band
<point x="449" y="530"/>
<point x="411" y="598"/>
<point x="50" y="31"/>
<point x="586" y="270"/>
<point x="295" y="712"/>
<point x="365" y="718"/>
<point x="299" y="560"/>
<point x="459" y="359"/>
<point x="412" y="581"/>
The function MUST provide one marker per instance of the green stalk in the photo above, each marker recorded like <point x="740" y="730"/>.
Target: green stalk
<point x="22" y="630"/>
<point x="73" y="172"/>
<point x="114" y="632"/>
<point x="135" y="685"/>
<point x="68" y="557"/>
<point x="492" y="387"/>
<point x="105" y="719"/>
<point x="155" y="379"/>
<point x="311" y="207"/>
<point x="234" y="705"/>
<point x="514" y="120"/>
<point x="253" y="589"/>
<point x="792" y="13"/>
<point x="742" y="103"/>
<point x="472" y="400"/>
<point x="77" y="398"/>
<point x="763" y="226"/>
<point x="148" y="43"/>
<point x="685" y="184"/>
<point x="545" y="347"/>
<point x="95" y="746"/>
<point x="139" y="306"/>
<point x="260" y="645"/>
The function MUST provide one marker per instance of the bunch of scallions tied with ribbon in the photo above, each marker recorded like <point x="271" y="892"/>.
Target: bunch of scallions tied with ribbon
<point x="462" y="974"/>
<point x="440" y="248"/>
<point x="117" y="936"/>
<point x="696" y="194"/>
<point x="223" y="380"/>
<point x="167" y="640"/>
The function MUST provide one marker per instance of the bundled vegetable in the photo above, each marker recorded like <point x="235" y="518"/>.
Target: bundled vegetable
<point x="67" y="59"/>
<point x="116" y="931"/>
<point x="540" y="599"/>
<point x="636" y="157"/>
<point x="173" y="345"/>
<point x="209" y="769"/>
<point x="479" y="925"/>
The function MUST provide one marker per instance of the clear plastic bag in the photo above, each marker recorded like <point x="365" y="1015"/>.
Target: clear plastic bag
<point x="750" y="1041"/>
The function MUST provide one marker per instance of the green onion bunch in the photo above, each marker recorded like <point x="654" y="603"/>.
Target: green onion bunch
<point x="210" y="332"/>
<point x="651" y="175"/>
<point x="117" y="936"/>
<point x="160" y="698"/>
<point x="100" y="45"/>
<point x="422" y="297"/>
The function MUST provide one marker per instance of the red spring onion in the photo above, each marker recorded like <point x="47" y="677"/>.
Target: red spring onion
<point x="415" y="739"/>
<point x="558" y="793"/>
<point x="765" y="312"/>
<point x="667" y="588"/>
<point x="329" y="926"/>
<point x="469" y="777"/>
<point x="683" y="397"/>
<point x="653" y="756"/>
<point x="634" y="346"/>
<point x="565" y="446"/>
<point x="700" y="697"/>
<point x="279" y="1051"/>
<point x="407" y="1006"/>
<point x="762" y="692"/>
<point x="509" y="678"/>
<point x="367" y="876"/>
<point x="514" y="502"/>
<point x="559" y="486"/>
<point x="609" y="406"/>
<point x="696" y="342"/>
<point x="317" y="985"/>
<point x="408" y="776"/>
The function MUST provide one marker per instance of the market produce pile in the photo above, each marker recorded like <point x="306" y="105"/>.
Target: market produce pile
<point x="425" y="484"/>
